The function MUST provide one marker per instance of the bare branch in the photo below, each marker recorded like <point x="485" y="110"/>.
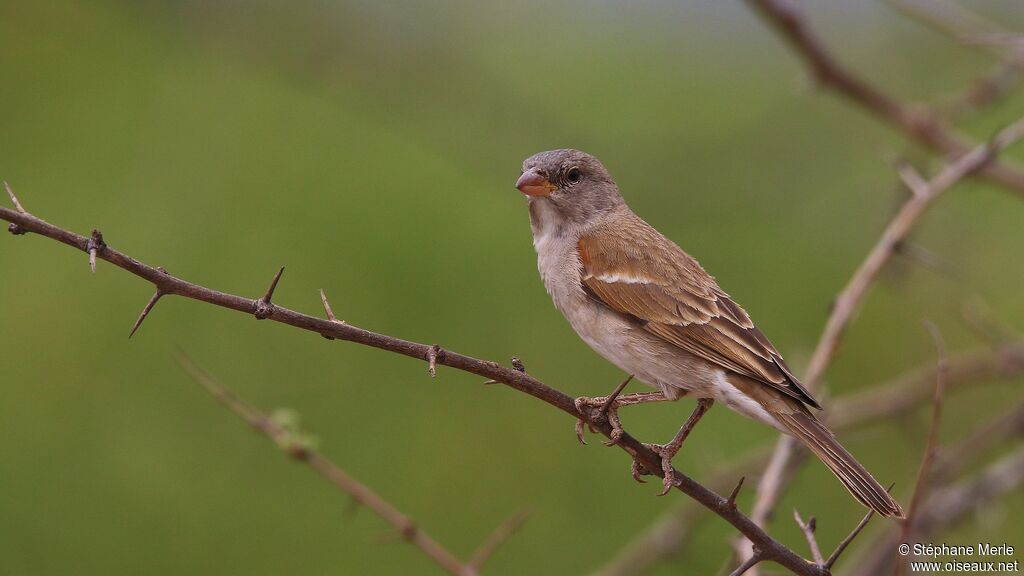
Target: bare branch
<point x="500" y="535"/>
<point x="917" y="123"/>
<point x="770" y="548"/>
<point x="912" y="179"/>
<point x="302" y="452"/>
<point x="849" y="538"/>
<point x="808" y="529"/>
<point x="746" y="565"/>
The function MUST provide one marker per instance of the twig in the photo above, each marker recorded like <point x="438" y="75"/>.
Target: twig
<point x="746" y="565"/>
<point x="849" y="538"/>
<point x="770" y="548"/>
<point x="359" y="492"/>
<point x="501" y="534"/>
<point x="931" y="445"/>
<point x="846" y="304"/>
<point x="808" y="529"/>
<point x="918" y="124"/>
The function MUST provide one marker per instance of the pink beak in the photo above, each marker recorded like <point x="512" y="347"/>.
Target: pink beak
<point x="532" y="183"/>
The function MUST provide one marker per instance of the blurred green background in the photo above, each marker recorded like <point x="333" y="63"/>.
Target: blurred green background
<point x="371" y="147"/>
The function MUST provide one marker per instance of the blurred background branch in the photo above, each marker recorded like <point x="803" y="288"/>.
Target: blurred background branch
<point x="296" y="444"/>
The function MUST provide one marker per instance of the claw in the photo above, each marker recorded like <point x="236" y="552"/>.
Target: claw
<point x="616" y="434"/>
<point x="579" y="431"/>
<point x="637" y="471"/>
<point x="607" y="407"/>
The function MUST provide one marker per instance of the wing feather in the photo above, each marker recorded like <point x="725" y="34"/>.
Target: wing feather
<point x="678" y="301"/>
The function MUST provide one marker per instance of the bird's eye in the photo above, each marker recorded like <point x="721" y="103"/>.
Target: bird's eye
<point x="574" y="175"/>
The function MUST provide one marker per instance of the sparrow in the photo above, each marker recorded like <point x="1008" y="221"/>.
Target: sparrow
<point x="648" y="307"/>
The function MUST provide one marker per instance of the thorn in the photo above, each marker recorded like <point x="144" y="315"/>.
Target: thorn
<point x="14" y="199"/>
<point x="614" y="395"/>
<point x="145" y="311"/>
<point x="327" y="308"/>
<point x="432" y="353"/>
<point x="94" y="244"/>
<point x="489" y="382"/>
<point x="517" y="364"/>
<point x="330" y="313"/>
<point x="735" y="492"/>
<point x="263" y="308"/>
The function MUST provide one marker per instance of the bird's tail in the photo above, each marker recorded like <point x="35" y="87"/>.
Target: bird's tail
<point x="857" y="480"/>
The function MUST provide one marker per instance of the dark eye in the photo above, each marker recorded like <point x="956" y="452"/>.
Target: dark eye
<point x="574" y="175"/>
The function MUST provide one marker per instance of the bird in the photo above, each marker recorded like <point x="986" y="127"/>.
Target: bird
<point x="648" y="307"/>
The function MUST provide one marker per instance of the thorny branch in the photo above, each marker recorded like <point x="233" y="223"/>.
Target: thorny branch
<point x="262" y="308"/>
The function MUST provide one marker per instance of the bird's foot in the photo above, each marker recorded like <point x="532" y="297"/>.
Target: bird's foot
<point x="668" y="451"/>
<point x="665" y="452"/>
<point x="604" y="408"/>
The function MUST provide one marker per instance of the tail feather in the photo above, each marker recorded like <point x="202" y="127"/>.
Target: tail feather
<point x="851" y="473"/>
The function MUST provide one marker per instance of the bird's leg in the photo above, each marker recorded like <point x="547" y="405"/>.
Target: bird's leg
<point x="608" y="408"/>
<point x="668" y="451"/>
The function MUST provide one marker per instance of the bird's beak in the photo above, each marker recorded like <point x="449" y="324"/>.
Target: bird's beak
<point x="532" y="183"/>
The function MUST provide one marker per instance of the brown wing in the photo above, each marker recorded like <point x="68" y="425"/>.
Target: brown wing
<point x="678" y="301"/>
